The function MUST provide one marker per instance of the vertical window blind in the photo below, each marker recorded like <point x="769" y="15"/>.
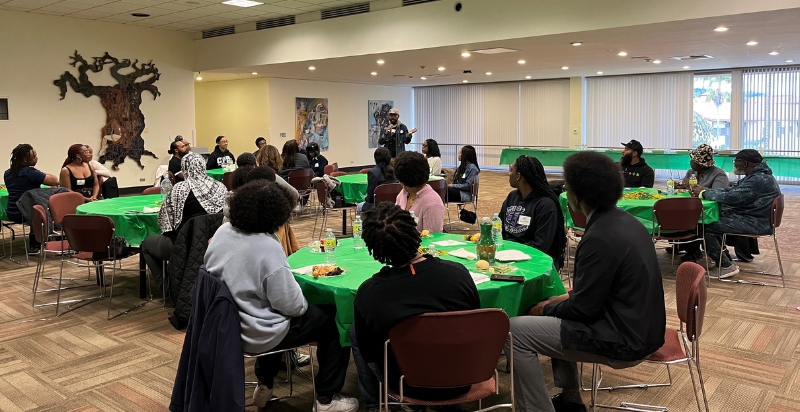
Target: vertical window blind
<point x="771" y="109"/>
<point x="655" y="109"/>
<point x="503" y="114"/>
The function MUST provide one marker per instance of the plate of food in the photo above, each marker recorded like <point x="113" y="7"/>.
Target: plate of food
<point x="640" y="195"/>
<point x="326" y="271"/>
<point x="501" y="269"/>
<point x="425" y="234"/>
<point x="473" y="238"/>
<point x="423" y="250"/>
<point x="157" y="203"/>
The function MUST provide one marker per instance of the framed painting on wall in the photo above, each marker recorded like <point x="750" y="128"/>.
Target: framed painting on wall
<point x="378" y="119"/>
<point x="311" y="122"/>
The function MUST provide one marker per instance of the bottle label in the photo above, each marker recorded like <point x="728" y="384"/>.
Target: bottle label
<point x="498" y="225"/>
<point x="330" y="243"/>
<point x="356" y="228"/>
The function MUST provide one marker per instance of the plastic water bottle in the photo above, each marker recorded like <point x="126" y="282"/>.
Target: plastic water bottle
<point x="358" y="243"/>
<point x="416" y="219"/>
<point x="497" y="230"/>
<point x="670" y="186"/>
<point x="329" y="242"/>
<point x="693" y="180"/>
<point x="166" y="187"/>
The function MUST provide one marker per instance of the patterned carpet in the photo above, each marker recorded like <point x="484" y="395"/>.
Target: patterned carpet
<point x="82" y="362"/>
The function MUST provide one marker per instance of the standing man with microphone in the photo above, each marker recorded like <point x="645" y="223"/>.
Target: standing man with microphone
<point x="396" y="136"/>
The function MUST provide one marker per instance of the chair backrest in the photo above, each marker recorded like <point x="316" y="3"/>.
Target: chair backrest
<point x="677" y="213"/>
<point x="226" y="180"/>
<point x="154" y="190"/>
<point x="301" y="179"/>
<point x="578" y="218"/>
<point x="365" y="170"/>
<point x="330" y="169"/>
<point x="777" y="211"/>
<point x="387" y="192"/>
<point x="88" y="233"/>
<point x="449" y="349"/>
<point x="40" y="229"/>
<point x="322" y="193"/>
<point x="691" y="292"/>
<point x="63" y="204"/>
<point x="440" y="186"/>
<point x="474" y="189"/>
<point x="337" y="174"/>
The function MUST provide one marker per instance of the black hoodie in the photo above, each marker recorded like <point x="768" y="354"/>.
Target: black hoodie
<point x="532" y="221"/>
<point x="215" y="157"/>
<point x="639" y="175"/>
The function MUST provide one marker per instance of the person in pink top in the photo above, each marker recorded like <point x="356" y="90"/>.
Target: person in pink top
<point x="411" y="169"/>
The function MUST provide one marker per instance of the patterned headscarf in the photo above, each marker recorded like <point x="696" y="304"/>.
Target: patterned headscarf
<point x="703" y="155"/>
<point x="209" y="193"/>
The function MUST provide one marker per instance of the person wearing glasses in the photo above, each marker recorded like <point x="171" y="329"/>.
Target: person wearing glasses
<point x="746" y="206"/>
<point x="431" y="151"/>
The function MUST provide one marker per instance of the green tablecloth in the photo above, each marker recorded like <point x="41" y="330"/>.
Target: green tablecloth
<point x="542" y="279"/>
<point x="3" y="204"/>
<point x="134" y="227"/>
<point x="643" y="209"/>
<point x="216" y="173"/>
<point x="781" y="166"/>
<point x="354" y="186"/>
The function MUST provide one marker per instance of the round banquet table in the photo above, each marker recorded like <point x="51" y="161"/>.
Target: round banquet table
<point x="643" y="209"/>
<point x="126" y="212"/>
<point x="216" y="173"/>
<point x="354" y="186"/>
<point x="541" y="279"/>
<point x="3" y="204"/>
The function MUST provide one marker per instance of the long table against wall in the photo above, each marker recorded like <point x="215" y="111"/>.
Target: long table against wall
<point x="782" y="166"/>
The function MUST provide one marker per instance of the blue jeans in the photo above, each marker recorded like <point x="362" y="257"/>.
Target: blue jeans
<point x="368" y="373"/>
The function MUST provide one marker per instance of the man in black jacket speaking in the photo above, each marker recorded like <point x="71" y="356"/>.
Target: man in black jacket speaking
<point x="614" y="314"/>
<point x="396" y="136"/>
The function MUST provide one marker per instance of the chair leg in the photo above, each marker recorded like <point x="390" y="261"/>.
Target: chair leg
<point x="111" y="292"/>
<point x="694" y="386"/>
<point x="778" y="255"/>
<point x="164" y="283"/>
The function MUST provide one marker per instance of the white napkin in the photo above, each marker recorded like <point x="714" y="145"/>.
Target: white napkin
<point x="479" y="278"/>
<point x="448" y="243"/>
<point x="151" y="209"/>
<point x="463" y="254"/>
<point x="304" y="270"/>
<point x="511" y="256"/>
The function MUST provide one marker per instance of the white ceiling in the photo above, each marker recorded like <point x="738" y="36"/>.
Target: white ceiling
<point x="546" y="55"/>
<point x="182" y="15"/>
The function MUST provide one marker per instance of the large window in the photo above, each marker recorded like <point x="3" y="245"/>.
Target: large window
<point x="711" y="120"/>
<point x="770" y="116"/>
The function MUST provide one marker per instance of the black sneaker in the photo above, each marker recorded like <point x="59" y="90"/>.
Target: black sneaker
<point x="33" y="251"/>
<point x="677" y="251"/>
<point x="742" y="258"/>
<point x="561" y="405"/>
<point x="692" y="257"/>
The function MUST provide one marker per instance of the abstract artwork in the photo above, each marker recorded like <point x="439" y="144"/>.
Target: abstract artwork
<point x="311" y="122"/>
<point x="378" y="115"/>
<point x="122" y="133"/>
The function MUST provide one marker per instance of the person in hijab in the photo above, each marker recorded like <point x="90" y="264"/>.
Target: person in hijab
<point x="198" y="195"/>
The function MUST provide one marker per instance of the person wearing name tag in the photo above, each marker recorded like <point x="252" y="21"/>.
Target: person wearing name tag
<point x="315" y="159"/>
<point x="396" y="136"/>
<point x="77" y="175"/>
<point x="530" y="214"/>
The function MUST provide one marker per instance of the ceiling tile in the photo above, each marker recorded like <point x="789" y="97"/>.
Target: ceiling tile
<point x="171" y="18"/>
<point x="143" y="22"/>
<point x="90" y="14"/>
<point x="153" y="11"/>
<point x="14" y="8"/>
<point x="87" y="3"/>
<point x="222" y="8"/>
<point x="292" y="4"/>
<point x="117" y="7"/>
<point x="141" y="2"/>
<point x="58" y="9"/>
<point x="176" y="6"/>
<point x="48" y="12"/>
<point x="119" y="18"/>
<point x="202" y="11"/>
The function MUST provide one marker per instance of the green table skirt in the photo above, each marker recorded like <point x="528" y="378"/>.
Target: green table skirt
<point x="642" y="210"/>
<point x="781" y="166"/>
<point x="216" y="173"/>
<point x="354" y="187"/>
<point x="542" y="279"/>
<point x="3" y="204"/>
<point x="134" y="227"/>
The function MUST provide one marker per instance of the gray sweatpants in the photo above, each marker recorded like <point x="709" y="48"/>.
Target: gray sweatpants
<point x="534" y="335"/>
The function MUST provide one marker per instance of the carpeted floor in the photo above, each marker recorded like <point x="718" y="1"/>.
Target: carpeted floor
<point x="82" y="362"/>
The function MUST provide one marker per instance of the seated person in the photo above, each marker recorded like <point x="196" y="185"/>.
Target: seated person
<point x="411" y="284"/>
<point x="221" y="157"/>
<point x="246" y="160"/>
<point x="461" y="188"/>
<point x="411" y="169"/>
<point x="21" y="177"/>
<point x="614" y="314"/>
<point x="315" y="159"/>
<point x="292" y="158"/>
<point x="531" y="214"/>
<point x="431" y="151"/>
<point x="383" y="172"/>
<point x="77" y="175"/>
<point x="177" y="149"/>
<point x="198" y="195"/>
<point x="269" y="156"/>
<point x="635" y="170"/>
<point x="246" y="255"/>
<point x="746" y="206"/>
<point x="260" y="142"/>
<point x="98" y="168"/>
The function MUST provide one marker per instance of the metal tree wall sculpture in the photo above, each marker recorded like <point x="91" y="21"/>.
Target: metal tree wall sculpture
<point x="122" y="133"/>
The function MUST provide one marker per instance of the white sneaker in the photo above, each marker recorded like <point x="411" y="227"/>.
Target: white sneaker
<point x="338" y="404"/>
<point x="303" y="360"/>
<point x="261" y="395"/>
<point x="726" y="272"/>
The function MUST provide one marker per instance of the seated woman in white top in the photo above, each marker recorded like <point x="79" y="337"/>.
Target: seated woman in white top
<point x="431" y="151"/>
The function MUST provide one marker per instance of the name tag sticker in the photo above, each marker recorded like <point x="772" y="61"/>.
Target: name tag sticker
<point x="316" y="164"/>
<point x="81" y="182"/>
<point x="524" y="220"/>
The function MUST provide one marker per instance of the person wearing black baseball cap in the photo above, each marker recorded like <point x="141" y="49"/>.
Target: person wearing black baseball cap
<point x="635" y="170"/>
<point x="746" y="206"/>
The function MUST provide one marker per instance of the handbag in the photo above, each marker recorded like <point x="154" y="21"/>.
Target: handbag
<point x="120" y="247"/>
<point x="467" y="216"/>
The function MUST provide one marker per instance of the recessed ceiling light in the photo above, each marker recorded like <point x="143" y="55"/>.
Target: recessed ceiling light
<point x="374" y="73"/>
<point x="721" y="29"/>
<point x="622" y="53"/>
<point x="488" y="73"/>
<point x="242" y="3"/>
<point x="441" y="68"/>
<point x="576" y="43"/>
<point x="521" y="61"/>
<point x="380" y="62"/>
<point x="140" y="15"/>
<point x="466" y="54"/>
<point x="254" y="73"/>
<point x="465" y="81"/>
<point x="312" y="68"/>
<point x="423" y="78"/>
<point x="685" y="67"/>
<point x="599" y="72"/>
<point x="790" y="61"/>
<point x="528" y="77"/>
<point x="198" y="78"/>
<point x="564" y="67"/>
<point x="751" y="43"/>
<point x="656" y="61"/>
<point x="773" y="53"/>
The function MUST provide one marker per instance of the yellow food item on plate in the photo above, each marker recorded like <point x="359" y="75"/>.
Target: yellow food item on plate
<point x="482" y="265"/>
<point x="425" y="233"/>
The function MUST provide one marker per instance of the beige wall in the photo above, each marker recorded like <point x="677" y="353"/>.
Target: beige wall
<point x="237" y="109"/>
<point x="35" y="51"/>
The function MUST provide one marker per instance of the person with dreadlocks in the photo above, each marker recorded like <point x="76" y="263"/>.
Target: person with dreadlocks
<point x="460" y="190"/>
<point x="411" y="284"/>
<point x="530" y="214"/>
<point x="21" y="177"/>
